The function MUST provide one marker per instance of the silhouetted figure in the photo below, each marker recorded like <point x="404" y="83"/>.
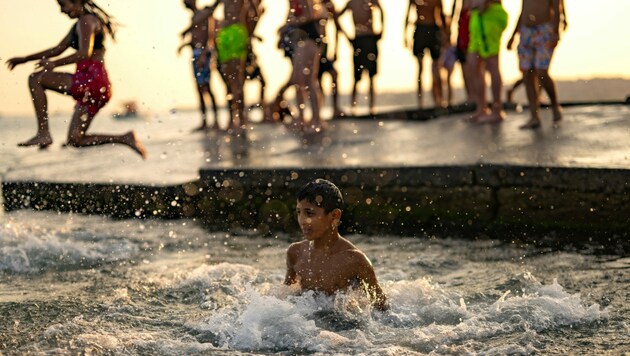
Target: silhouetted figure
<point x="202" y="44"/>
<point x="431" y="33"/>
<point x="461" y="12"/>
<point x="539" y="28"/>
<point x="89" y="85"/>
<point x="232" y="43"/>
<point x="302" y="39"/>
<point x="365" y="43"/>
<point x="488" y="20"/>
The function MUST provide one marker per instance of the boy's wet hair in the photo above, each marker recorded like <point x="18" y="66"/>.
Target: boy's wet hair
<point x="322" y="193"/>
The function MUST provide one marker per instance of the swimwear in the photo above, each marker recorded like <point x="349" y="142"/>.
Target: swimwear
<point x="99" y="38"/>
<point x="463" y="35"/>
<point x="535" y="48"/>
<point x="486" y="29"/>
<point x="450" y="57"/>
<point x="232" y="43"/>
<point x="202" y="74"/>
<point x="90" y="85"/>
<point x="365" y="55"/>
<point x="427" y="36"/>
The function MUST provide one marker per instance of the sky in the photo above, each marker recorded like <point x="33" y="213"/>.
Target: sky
<point x="143" y="64"/>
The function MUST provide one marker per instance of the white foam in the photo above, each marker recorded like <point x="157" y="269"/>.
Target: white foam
<point x="30" y="250"/>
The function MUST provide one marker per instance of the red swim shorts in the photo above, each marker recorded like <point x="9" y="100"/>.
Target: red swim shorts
<point x="90" y="86"/>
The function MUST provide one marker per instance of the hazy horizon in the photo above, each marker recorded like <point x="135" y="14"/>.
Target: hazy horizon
<point x="143" y="64"/>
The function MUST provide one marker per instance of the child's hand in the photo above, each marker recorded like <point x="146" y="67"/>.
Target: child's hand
<point x="14" y="62"/>
<point x="510" y="43"/>
<point x="45" y="65"/>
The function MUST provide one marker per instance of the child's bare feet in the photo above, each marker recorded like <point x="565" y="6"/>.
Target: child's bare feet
<point x="532" y="124"/>
<point x="203" y="127"/>
<point x="43" y="141"/>
<point x="557" y="114"/>
<point x="130" y="140"/>
<point x="493" y="118"/>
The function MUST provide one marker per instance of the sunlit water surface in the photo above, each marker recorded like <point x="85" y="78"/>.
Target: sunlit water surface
<point x="74" y="284"/>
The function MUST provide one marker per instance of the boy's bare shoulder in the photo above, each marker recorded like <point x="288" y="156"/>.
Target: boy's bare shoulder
<point x="297" y="247"/>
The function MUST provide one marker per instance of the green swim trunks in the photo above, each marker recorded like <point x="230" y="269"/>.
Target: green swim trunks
<point x="232" y="43"/>
<point x="486" y="29"/>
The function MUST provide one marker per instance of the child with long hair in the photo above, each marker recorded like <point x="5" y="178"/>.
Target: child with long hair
<point x="89" y="85"/>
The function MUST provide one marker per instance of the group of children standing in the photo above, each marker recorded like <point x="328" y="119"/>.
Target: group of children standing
<point x="481" y="24"/>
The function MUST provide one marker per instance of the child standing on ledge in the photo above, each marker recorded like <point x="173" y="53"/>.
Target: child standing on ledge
<point x="325" y="261"/>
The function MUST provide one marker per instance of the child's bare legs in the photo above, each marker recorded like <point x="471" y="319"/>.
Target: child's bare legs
<point x="478" y="86"/>
<point x="449" y="88"/>
<point x="353" y="102"/>
<point x="202" y="108"/>
<point x="550" y="87"/>
<point x="276" y="110"/>
<point x="437" y="84"/>
<point x="419" y="97"/>
<point x="510" y="92"/>
<point x="78" y="137"/>
<point x="531" y="86"/>
<point x="38" y="83"/>
<point x="468" y="73"/>
<point x="233" y="72"/>
<point x="497" y="115"/>
<point x="335" y="93"/>
<point x="305" y="69"/>
<point x="215" y="125"/>
<point x="372" y="110"/>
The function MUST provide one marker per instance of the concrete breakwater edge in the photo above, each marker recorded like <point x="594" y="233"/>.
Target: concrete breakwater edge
<point x="413" y="201"/>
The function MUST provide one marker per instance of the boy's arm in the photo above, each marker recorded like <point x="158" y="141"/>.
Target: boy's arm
<point x="201" y="16"/>
<point x="291" y="275"/>
<point x="516" y="30"/>
<point x="555" y="21"/>
<point x="365" y="273"/>
<point x="411" y="3"/>
<point x="446" y="28"/>
<point x="377" y="4"/>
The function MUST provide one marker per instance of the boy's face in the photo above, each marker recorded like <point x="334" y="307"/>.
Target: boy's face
<point x="314" y="221"/>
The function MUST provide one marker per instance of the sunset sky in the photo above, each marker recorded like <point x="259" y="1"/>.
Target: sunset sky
<point x="143" y="64"/>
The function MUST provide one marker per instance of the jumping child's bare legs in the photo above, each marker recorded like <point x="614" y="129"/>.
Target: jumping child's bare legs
<point x="78" y="137"/>
<point x="38" y="83"/>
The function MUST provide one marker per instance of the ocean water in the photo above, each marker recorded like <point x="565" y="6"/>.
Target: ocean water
<point x="87" y="284"/>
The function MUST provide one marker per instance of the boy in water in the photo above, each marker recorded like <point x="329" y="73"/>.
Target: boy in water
<point x="539" y="26"/>
<point x="325" y="261"/>
<point x="364" y="43"/>
<point x="201" y="44"/>
<point x="431" y="33"/>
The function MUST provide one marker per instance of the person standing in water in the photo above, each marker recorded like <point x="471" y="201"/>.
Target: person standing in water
<point x="89" y="85"/>
<point x="539" y="28"/>
<point x="201" y="42"/>
<point x="365" y="44"/>
<point x="431" y="33"/>
<point x="325" y="261"/>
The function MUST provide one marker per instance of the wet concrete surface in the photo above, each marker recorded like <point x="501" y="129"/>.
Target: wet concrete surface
<point x="588" y="154"/>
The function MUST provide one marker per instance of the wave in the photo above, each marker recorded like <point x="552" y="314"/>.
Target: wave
<point x="26" y="250"/>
